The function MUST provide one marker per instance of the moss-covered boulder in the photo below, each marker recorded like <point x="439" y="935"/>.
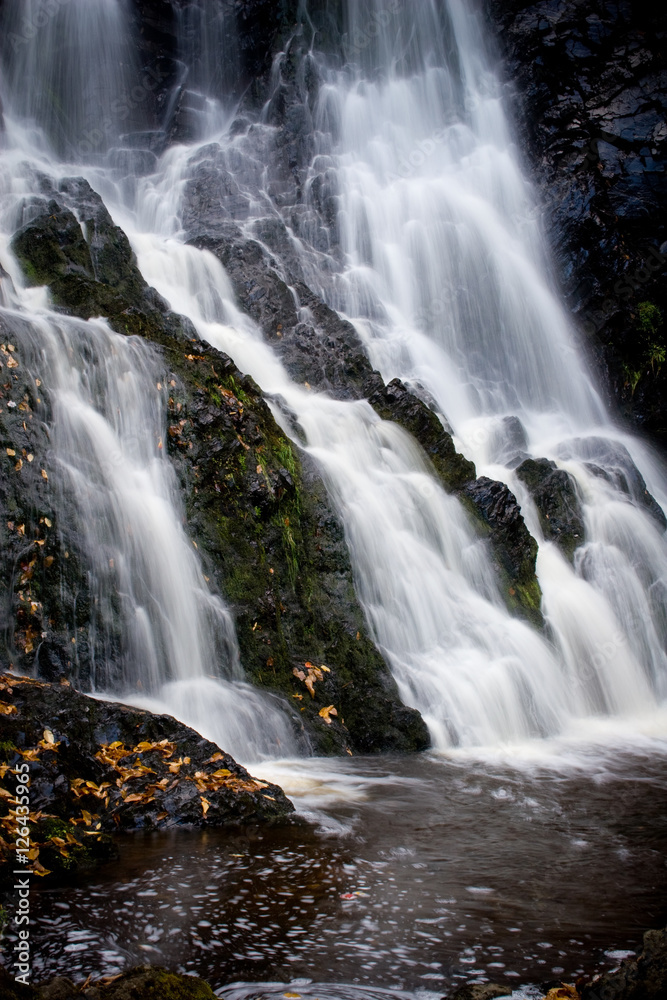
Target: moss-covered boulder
<point x="554" y="492"/>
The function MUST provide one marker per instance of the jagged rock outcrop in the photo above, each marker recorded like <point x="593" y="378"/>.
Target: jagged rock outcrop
<point x="641" y="978"/>
<point x="256" y="508"/>
<point x="591" y="89"/>
<point x="97" y="767"/>
<point x="323" y="350"/>
<point x="555" y="495"/>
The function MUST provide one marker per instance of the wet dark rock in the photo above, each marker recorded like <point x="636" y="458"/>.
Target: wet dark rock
<point x="492" y="505"/>
<point x="258" y="510"/>
<point x="42" y="585"/>
<point x="396" y="402"/>
<point x="641" y="978"/>
<point x="481" y="991"/>
<point x="618" y="468"/>
<point x="555" y="494"/>
<point x="95" y="276"/>
<point x="591" y="91"/>
<point x="514" y="548"/>
<point x="100" y="767"/>
<point x="316" y="346"/>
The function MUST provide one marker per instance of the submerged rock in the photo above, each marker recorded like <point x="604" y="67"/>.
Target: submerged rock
<point x="97" y="767"/>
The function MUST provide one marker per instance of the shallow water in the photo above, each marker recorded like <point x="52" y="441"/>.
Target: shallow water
<point x="412" y="874"/>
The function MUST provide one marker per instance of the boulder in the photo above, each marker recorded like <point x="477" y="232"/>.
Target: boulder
<point x="98" y="767"/>
<point x="555" y="495"/>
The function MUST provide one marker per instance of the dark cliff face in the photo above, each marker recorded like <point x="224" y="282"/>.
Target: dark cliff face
<point x="590" y="85"/>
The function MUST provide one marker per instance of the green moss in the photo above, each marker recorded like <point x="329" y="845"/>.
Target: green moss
<point x="7" y="749"/>
<point x="650" y="317"/>
<point x="55" y="828"/>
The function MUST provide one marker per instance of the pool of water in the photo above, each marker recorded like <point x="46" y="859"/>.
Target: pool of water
<point x="410" y="874"/>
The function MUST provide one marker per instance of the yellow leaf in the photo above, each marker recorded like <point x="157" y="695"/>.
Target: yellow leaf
<point x="87" y="818"/>
<point x="222" y="773"/>
<point x="48" y="736"/>
<point x="7" y="709"/>
<point x="11" y="452"/>
<point x="47" y="522"/>
<point x="44" y="474"/>
<point x="326" y="712"/>
<point x="205" y="805"/>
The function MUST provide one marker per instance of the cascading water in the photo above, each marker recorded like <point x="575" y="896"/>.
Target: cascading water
<point x="433" y="251"/>
<point x="164" y="640"/>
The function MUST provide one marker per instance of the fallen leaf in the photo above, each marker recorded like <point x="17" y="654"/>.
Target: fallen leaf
<point x="48" y="736"/>
<point x="11" y="452"/>
<point x="44" y="474"/>
<point x="7" y="709"/>
<point x="326" y="712"/>
<point x="205" y="805"/>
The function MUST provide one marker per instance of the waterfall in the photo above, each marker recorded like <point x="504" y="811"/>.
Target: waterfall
<point x="416" y="224"/>
<point x="71" y="68"/>
<point x="165" y="641"/>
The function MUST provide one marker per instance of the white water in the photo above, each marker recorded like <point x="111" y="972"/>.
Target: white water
<point x="440" y="265"/>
